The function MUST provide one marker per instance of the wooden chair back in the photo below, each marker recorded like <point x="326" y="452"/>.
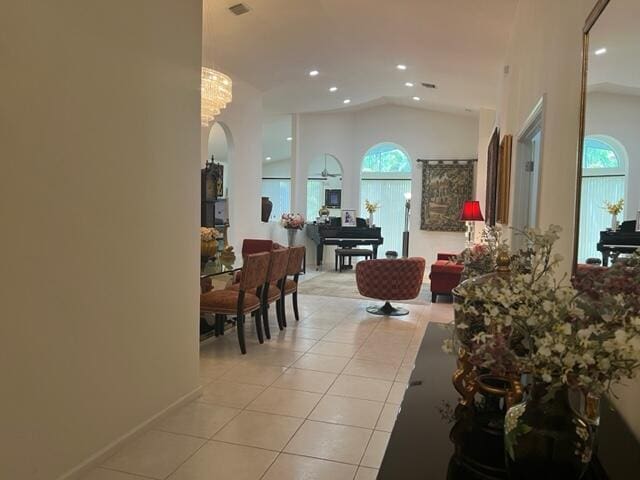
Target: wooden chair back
<point x="296" y="258"/>
<point x="279" y="263"/>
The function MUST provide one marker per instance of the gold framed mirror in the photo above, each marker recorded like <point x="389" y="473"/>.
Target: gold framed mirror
<point x="607" y="213"/>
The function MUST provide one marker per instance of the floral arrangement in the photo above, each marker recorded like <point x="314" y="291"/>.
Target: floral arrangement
<point x="614" y="208"/>
<point x="371" y="207"/>
<point x="533" y="323"/>
<point x="293" y="221"/>
<point x="208" y="234"/>
<point x="480" y="259"/>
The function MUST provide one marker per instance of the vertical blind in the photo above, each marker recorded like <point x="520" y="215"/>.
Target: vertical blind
<point x="594" y="218"/>
<point x="315" y="198"/>
<point x="390" y="217"/>
<point x="279" y="192"/>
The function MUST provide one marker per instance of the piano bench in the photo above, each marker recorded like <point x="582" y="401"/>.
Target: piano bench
<point x="342" y="253"/>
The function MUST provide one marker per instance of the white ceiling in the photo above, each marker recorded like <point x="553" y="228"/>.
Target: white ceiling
<point x="457" y="44"/>
<point x="618" y="70"/>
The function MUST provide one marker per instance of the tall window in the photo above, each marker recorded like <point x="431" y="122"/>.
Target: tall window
<point x="279" y="192"/>
<point x="386" y="177"/>
<point x="603" y="179"/>
<point x="315" y="197"/>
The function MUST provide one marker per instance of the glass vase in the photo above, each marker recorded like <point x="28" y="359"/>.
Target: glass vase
<point x="545" y="438"/>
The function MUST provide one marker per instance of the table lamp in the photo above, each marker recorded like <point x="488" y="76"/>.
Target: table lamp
<point x="471" y="213"/>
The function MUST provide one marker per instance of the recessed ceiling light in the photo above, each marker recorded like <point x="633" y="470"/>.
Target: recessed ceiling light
<point x="267" y="158"/>
<point x="401" y="67"/>
<point x="333" y="89"/>
<point x="346" y="100"/>
<point x="601" y="51"/>
<point x="417" y="99"/>
<point x="408" y="84"/>
<point x="313" y="73"/>
<point x="289" y="139"/>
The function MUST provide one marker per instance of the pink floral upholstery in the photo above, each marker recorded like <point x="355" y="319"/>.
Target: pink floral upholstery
<point x="386" y="279"/>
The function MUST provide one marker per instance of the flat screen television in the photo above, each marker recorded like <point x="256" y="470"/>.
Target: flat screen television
<point x="333" y="198"/>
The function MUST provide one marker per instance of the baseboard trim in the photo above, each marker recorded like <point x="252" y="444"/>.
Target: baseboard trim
<point x="101" y="455"/>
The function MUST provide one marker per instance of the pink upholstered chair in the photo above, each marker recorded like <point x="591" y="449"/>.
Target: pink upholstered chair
<point x="386" y="279"/>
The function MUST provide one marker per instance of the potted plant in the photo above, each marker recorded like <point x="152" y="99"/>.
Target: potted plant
<point x="560" y="340"/>
<point x="292" y="222"/>
<point x="371" y="208"/>
<point x="614" y="209"/>
<point x="208" y="243"/>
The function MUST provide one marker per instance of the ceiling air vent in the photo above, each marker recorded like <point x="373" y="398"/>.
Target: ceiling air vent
<point x="428" y="85"/>
<point x="239" y="9"/>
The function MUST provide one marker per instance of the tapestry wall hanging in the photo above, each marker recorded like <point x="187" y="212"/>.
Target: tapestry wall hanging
<point x="445" y="187"/>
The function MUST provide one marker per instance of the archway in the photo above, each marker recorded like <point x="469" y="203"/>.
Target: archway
<point x="386" y="180"/>
<point x="324" y="185"/>
<point x="220" y="147"/>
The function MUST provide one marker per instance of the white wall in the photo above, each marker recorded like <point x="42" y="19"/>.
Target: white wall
<point x="422" y="133"/>
<point x="618" y="116"/>
<point x="544" y="56"/>
<point x="99" y="210"/>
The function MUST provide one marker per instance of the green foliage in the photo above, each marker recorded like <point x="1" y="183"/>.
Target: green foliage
<point x="386" y="159"/>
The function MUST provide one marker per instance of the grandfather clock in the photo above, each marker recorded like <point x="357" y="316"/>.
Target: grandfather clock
<point x="210" y="190"/>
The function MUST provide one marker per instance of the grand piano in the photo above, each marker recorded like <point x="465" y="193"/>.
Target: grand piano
<point x="612" y="243"/>
<point x="333" y="233"/>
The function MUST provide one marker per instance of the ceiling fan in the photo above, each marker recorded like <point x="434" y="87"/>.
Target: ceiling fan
<point x="325" y="173"/>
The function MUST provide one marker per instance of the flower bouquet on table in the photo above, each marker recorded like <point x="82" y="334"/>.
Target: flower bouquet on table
<point x="371" y="208"/>
<point x="208" y="242"/>
<point x="557" y="339"/>
<point x="614" y="209"/>
<point x="480" y="259"/>
<point x="293" y="221"/>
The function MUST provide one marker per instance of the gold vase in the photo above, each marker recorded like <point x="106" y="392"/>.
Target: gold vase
<point x="208" y="249"/>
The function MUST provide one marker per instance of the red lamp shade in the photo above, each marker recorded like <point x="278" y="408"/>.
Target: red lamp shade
<point x="471" y="212"/>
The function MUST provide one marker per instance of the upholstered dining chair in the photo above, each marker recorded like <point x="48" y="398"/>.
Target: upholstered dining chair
<point x="271" y="291"/>
<point x="294" y="267"/>
<point x="256" y="245"/>
<point x="246" y="299"/>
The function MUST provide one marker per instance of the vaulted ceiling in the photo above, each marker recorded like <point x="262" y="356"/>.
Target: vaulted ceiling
<point x="458" y="45"/>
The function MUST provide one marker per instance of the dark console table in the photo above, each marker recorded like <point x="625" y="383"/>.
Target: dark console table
<point x="422" y="443"/>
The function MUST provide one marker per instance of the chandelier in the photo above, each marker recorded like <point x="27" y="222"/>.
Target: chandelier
<point x="216" y="93"/>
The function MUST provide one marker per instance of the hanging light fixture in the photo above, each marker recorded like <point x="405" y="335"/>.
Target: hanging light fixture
<point x="215" y="94"/>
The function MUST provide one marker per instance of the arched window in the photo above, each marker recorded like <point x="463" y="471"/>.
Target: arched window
<point x="385" y="179"/>
<point x="603" y="180"/>
<point x="386" y="158"/>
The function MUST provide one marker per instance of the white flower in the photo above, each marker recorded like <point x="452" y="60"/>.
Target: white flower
<point x="621" y="337"/>
<point x="544" y="351"/>
<point x="546" y="378"/>
<point x="588" y="359"/>
<point x="559" y="347"/>
<point x="566" y="329"/>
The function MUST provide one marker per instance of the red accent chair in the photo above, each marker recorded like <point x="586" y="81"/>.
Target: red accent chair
<point x="387" y="279"/>
<point x="251" y="245"/>
<point x="445" y="275"/>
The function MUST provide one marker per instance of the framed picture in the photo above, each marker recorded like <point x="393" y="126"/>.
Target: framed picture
<point x="333" y="198"/>
<point x="348" y="218"/>
<point x="445" y="187"/>
<point x="493" y="155"/>
<point x="504" y="180"/>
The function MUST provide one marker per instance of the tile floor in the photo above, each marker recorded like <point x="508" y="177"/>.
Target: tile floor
<point x="316" y="402"/>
